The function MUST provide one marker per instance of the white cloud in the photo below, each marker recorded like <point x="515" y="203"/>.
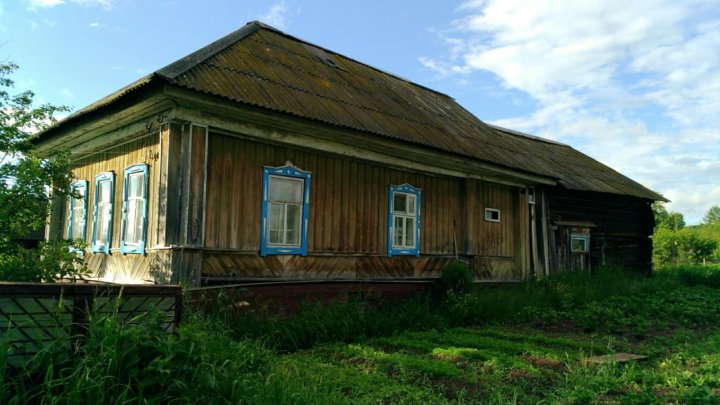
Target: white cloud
<point x="105" y="4"/>
<point x="633" y="84"/>
<point x="67" y="93"/>
<point x="94" y="25"/>
<point x="36" y="4"/>
<point x="276" y="16"/>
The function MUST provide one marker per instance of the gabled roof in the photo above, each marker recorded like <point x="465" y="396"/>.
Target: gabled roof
<point x="261" y="66"/>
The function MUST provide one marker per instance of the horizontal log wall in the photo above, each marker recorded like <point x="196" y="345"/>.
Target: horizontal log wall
<point x="621" y="237"/>
<point x="116" y="159"/>
<point x="347" y="235"/>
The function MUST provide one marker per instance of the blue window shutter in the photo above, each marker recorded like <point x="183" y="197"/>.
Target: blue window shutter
<point x="407" y="251"/>
<point x="139" y="248"/>
<point x="103" y="248"/>
<point x="292" y="172"/>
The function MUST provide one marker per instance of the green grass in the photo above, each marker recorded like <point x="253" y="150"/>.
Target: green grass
<point x="512" y="344"/>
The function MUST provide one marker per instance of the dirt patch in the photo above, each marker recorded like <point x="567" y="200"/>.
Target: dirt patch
<point x="544" y="362"/>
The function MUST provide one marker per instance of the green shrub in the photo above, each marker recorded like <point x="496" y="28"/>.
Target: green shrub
<point x="456" y="277"/>
<point x="141" y="363"/>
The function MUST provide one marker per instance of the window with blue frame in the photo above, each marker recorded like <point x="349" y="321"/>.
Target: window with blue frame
<point x="579" y="243"/>
<point x="77" y="213"/>
<point x="102" y="214"/>
<point x="285" y="211"/>
<point x="404" y="221"/>
<point x="135" y="206"/>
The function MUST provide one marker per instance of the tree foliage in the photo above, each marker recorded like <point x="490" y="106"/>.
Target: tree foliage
<point x="673" y="221"/>
<point x="682" y="247"/>
<point x="25" y="181"/>
<point x="712" y="216"/>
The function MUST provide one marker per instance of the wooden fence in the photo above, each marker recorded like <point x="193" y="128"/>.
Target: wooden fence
<point x="33" y="315"/>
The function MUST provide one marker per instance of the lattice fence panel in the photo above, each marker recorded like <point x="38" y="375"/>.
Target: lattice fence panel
<point x="33" y="316"/>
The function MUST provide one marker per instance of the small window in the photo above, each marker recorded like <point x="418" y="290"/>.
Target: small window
<point x="579" y="243"/>
<point x="77" y="214"/>
<point x="404" y="221"/>
<point x="103" y="212"/>
<point x="531" y="195"/>
<point x="492" y="215"/>
<point x="286" y="194"/>
<point x="134" y="224"/>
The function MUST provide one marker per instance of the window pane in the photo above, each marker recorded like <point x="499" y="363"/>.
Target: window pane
<point x="104" y="192"/>
<point x="276" y="223"/>
<point x="103" y="223"/>
<point x="578" y="245"/>
<point x="409" y="232"/>
<point x="293" y="225"/>
<point x="78" y="221"/>
<point x="286" y="190"/>
<point x="137" y="223"/>
<point x="399" y="202"/>
<point x="129" y="230"/>
<point x="135" y="185"/>
<point x="398" y="229"/>
<point x="411" y="204"/>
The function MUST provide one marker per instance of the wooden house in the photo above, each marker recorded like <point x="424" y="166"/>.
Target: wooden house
<point x="264" y="157"/>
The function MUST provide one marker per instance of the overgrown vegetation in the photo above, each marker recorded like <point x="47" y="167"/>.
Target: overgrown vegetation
<point x="674" y="243"/>
<point x="511" y="344"/>
<point x="25" y="181"/>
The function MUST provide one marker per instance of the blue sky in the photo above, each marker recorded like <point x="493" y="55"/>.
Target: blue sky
<point x="635" y="85"/>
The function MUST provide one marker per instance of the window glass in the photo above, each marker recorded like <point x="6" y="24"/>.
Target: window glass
<point x="492" y="215"/>
<point x="579" y="244"/>
<point x="285" y="189"/>
<point x="133" y="230"/>
<point x="410" y="204"/>
<point x="400" y="202"/>
<point x="136" y="185"/>
<point x="292" y="236"/>
<point x="104" y="190"/>
<point x="409" y="232"/>
<point x="276" y="218"/>
<point x="399" y="229"/>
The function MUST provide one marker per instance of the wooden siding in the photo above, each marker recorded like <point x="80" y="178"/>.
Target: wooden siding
<point x="347" y="235"/>
<point x="116" y="159"/>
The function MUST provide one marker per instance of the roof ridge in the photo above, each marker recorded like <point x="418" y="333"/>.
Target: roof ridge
<point x="186" y="63"/>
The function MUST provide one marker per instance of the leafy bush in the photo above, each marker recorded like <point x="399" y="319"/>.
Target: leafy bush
<point x="681" y="247"/>
<point x="456" y="277"/>
<point x="120" y="363"/>
<point x="51" y="260"/>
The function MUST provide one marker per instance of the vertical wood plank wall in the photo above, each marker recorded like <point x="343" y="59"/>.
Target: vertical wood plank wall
<point x="116" y="159"/>
<point x="348" y="217"/>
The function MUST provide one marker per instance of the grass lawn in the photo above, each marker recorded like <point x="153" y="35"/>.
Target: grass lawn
<point x="504" y="365"/>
